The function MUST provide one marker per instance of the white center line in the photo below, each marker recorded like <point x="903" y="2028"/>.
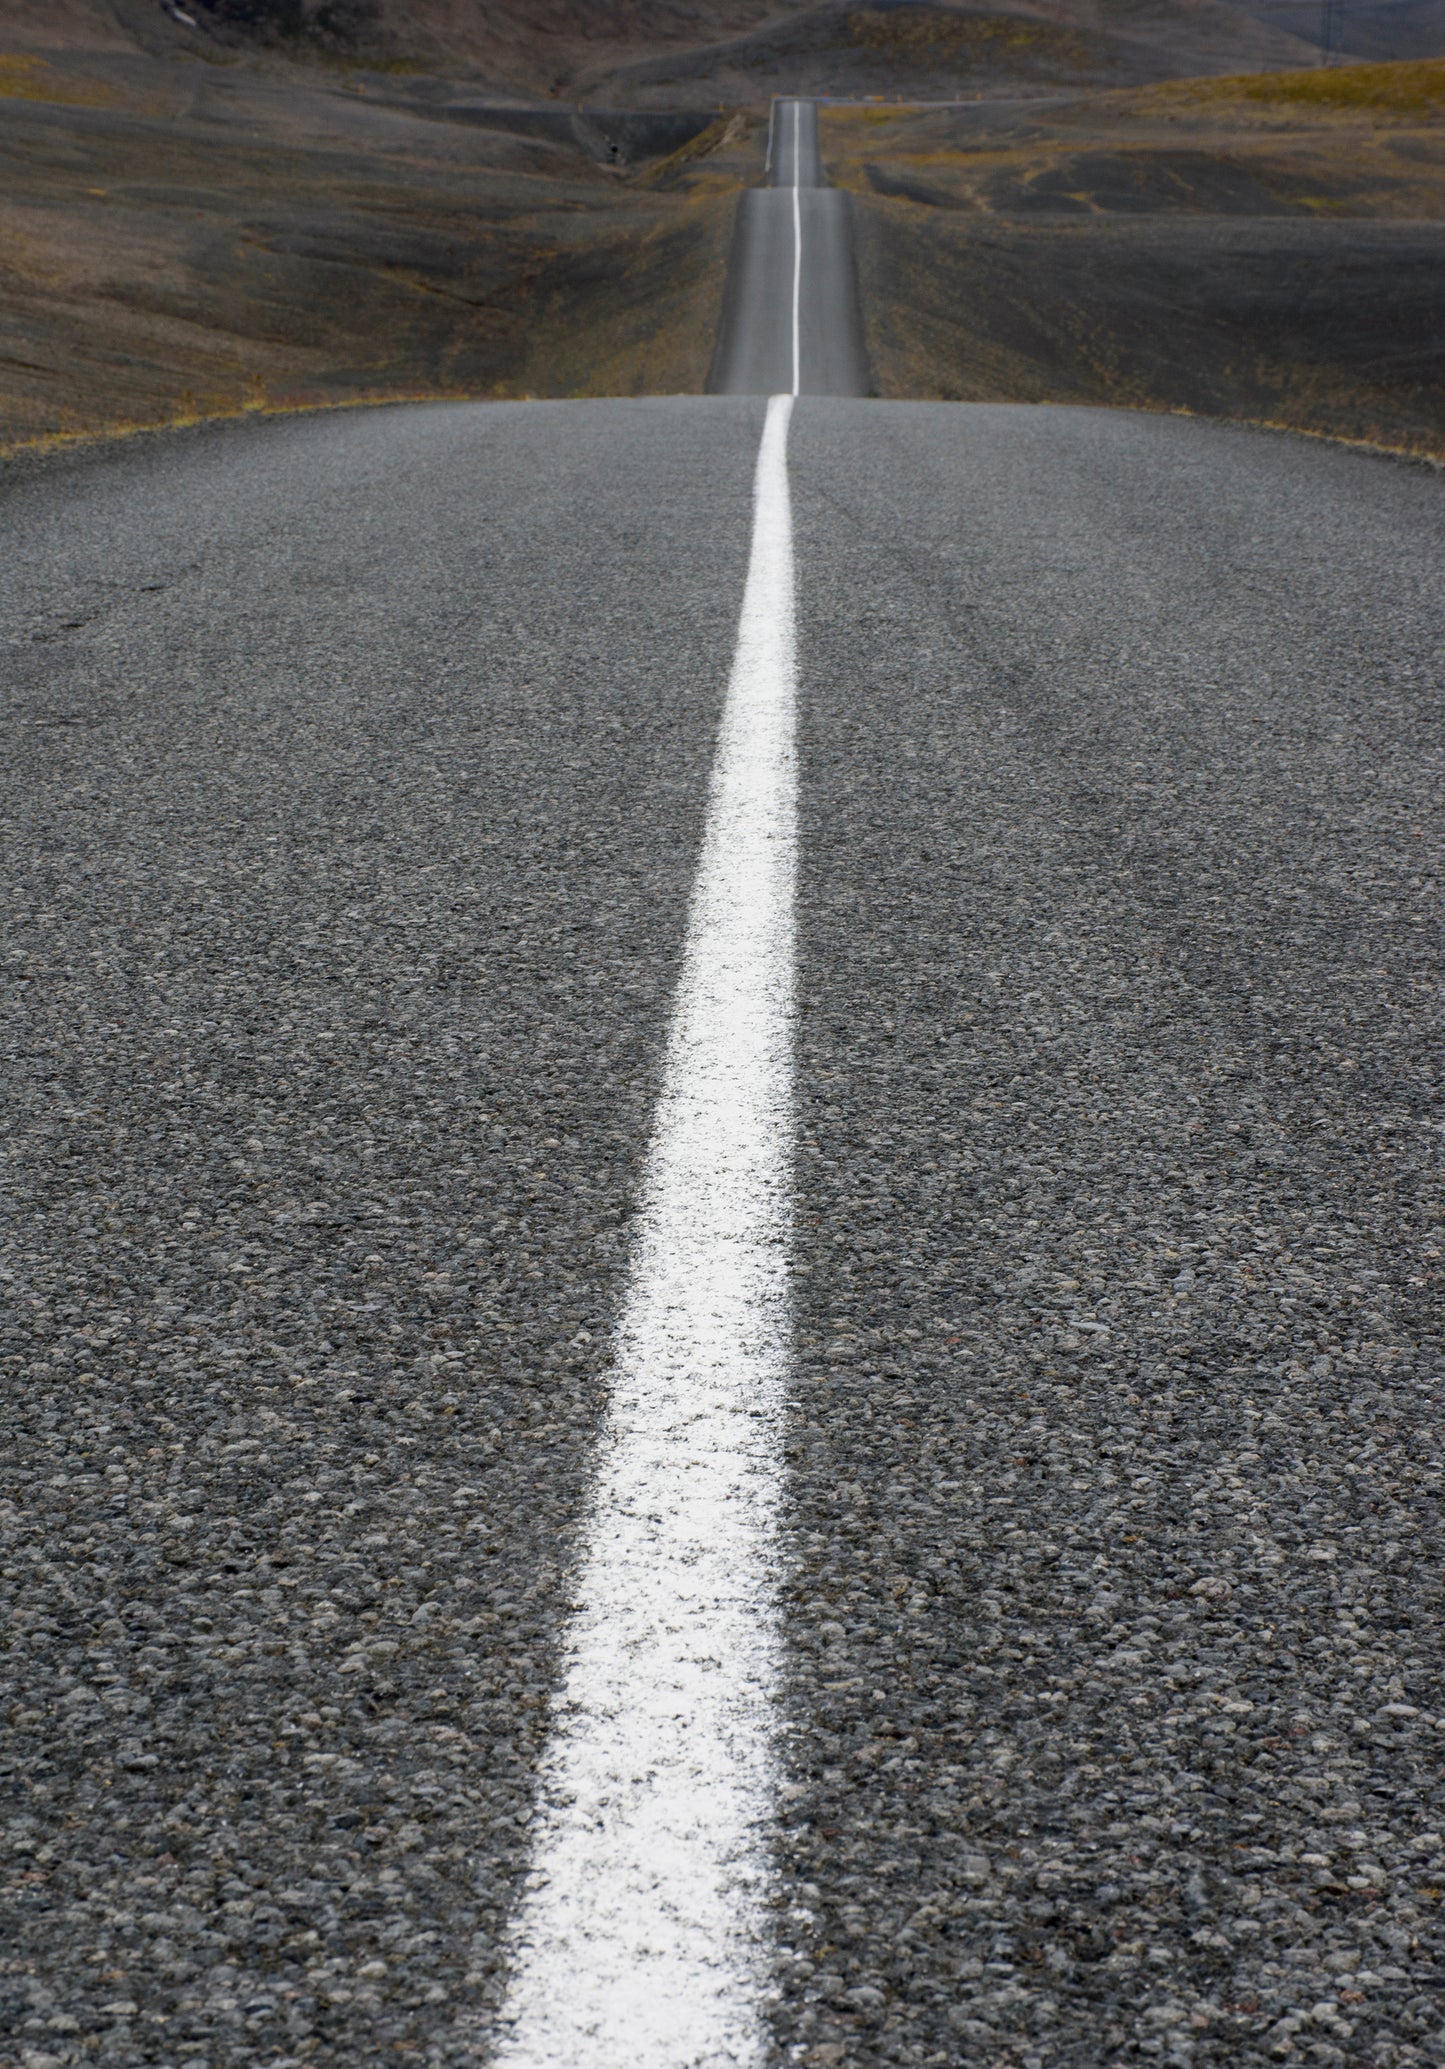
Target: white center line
<point x="797" y="261"/>
<point x="641" y="1941"/>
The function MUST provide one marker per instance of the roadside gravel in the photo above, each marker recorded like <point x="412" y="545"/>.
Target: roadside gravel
<point x="1116" y="1617"/>
<point x="356" y="768"/>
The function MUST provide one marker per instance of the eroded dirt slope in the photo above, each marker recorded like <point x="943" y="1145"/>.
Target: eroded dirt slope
<point x="180" y="240"/>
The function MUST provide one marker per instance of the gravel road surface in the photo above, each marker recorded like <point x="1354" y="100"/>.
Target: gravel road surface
<point x="358" y="770"/>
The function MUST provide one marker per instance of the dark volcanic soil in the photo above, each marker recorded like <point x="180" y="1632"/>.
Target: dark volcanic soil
<point x="239" y="204"/>
<point x="643" y="50"/>
<point x="191" y="239"/>
<point x="634" y="52"/>
<point x="1266" y="249"/>
<point x="923" y="52"/>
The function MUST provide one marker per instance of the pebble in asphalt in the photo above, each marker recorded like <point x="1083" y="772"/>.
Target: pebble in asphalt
<point x="358" y="771"/>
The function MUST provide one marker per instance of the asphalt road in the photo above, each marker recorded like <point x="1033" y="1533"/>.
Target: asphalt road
<point x="794" y="158"/>
<point x="791" y="322"/>
<point x="357" y="773"/>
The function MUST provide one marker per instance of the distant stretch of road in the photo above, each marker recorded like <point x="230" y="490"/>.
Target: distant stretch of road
<point x="723" y="1240"/>
<point x="791" y="323"/>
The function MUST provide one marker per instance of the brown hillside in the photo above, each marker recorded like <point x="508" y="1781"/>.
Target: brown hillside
<point x="1268" y="246"/>
<point x="660" y="52"/>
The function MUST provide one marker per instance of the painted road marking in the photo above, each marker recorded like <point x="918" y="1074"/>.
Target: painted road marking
<point x="641" y="1940"/>
<point x="797" y="261"/>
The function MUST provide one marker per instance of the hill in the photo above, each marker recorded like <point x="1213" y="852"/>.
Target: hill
<point x="1269" y="246"/>
<point x="212" y="205"/>
<point x="633" y="52"/>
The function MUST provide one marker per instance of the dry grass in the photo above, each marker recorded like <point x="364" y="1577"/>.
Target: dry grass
<point x="727" y="130"/>
<point x="1412" y="89"/>
<point x="162" y="269"/>
<point x="1268" y="248"/>
<point x="1424" y="450"/>
<point x="32" y="79"/>
<point x="928" y="36"/>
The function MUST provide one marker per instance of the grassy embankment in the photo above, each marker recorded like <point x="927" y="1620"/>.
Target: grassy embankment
<point x="1268" y="247"/>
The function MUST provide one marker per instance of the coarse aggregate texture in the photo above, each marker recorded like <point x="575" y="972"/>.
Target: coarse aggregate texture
<point x="356" y="768"/>
<point x="1116" y="1619"/>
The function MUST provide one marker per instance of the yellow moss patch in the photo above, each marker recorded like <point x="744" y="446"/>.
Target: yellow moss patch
<point x="1409" y="87"/>
<point x="925" y="36"/>
<point x="32" y="79"/>
<point x="1403" y="446"/>
<point x="725" y="130"/>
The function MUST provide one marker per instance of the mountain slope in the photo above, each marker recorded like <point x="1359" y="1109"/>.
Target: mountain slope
<point x="654" y="51"/>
